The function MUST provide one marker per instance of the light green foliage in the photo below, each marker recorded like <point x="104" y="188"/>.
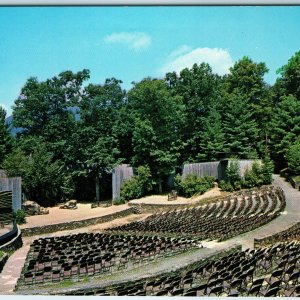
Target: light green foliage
<point x="131" y="189"/>
<point x="293" y="158"/>
<point x="20" y="217"/>
<point x="192" y="185"/>
<point x="139" y="185"/>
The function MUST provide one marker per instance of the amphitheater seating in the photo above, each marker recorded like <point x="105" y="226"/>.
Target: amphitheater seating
<point x="268" y="272"/>
<point x="230" y="216"/>
<point x="76" y="256"/>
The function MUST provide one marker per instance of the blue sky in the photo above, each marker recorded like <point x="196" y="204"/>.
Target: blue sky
<point x="131" y="43"/>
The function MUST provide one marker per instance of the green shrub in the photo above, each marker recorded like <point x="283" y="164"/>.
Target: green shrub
<point x="20" y="217"/>
<point x="192" y="185"/>
<point x="137" y="186"/>
<point x="254" y="177"/>
<point x="119" y="201"/>
<point x="131" y="189"/>
<point x="233" y="175"/>
<point x="293" y="158"/>
<point x="144" y="178"/>
<point x="267" y="169"/>
<point x="225" y="186"/>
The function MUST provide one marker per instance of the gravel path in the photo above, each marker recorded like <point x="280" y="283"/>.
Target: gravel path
<point x="289" y="217"/>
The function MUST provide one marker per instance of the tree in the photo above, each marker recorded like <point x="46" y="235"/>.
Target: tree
<point x="289" y="82"/>
<point x="100" y="105"/>
<point x="46" y="109"/>
<point x="246" y="79"/>
<point x="156" y="135"/>
<point x="139" y="185"/>
<point x="267" y="168"/>
<point x="293" y="158"/>
<point x="42" y="177"/>
<point x="233" y="175"/>
<point x="5" y="138"/>
<point x="213" y="139"/>
<point x="198" y="88"/>
<point x="102" y="159"/>
<point x="42" y="104"/>
<point x="285" y="128"/>
<point x="99" y="109"/>
<point x="240" y="128"/>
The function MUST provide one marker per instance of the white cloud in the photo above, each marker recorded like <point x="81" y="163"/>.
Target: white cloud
<point x="184" y="57"/>
<point x="133" y="40"/>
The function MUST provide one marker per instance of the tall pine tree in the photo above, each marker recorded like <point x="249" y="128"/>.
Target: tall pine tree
<point x="212" y="140"/>
<point x="240" y="128"/>
<point x="285" y="126"/>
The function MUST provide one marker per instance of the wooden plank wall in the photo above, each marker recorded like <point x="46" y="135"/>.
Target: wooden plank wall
<point x="13" y="184"/>
<point x="120" y="174"/>
<point x="201" y="169"/>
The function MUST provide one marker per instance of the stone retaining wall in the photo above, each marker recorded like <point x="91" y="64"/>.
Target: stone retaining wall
<point x="75" y="224"/>
<point x="286" y="235"/>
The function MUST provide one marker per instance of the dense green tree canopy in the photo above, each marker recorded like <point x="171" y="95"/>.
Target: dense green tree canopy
<point x="74" y="134"/>
<point x="198" y="88"/>
<point x="158" y="119"/>
<point x="285" y="127"/>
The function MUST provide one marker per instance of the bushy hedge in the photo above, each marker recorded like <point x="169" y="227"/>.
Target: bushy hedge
<point x="131" y="189"/>
<point x="193" y="185"/>
<point x="138" y="186"/>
